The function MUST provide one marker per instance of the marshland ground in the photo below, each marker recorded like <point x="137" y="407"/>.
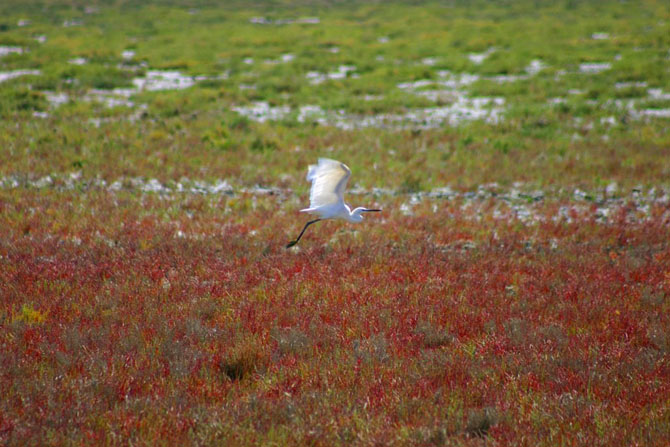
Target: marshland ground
<point x="515" y="290"/>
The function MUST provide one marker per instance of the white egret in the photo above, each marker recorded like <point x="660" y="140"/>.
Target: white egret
<point x="326" y="198"/>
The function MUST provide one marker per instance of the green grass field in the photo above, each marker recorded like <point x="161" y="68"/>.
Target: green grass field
<point x="515" y="290"/>
<point x="560" y="126"/>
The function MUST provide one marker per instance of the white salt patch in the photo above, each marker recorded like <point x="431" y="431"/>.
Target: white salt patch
<point x="56" y="99"/>
<point x="445" y="192"/>
<point x="451" y="86"/>
<point x="523" y="213"/>
<point x="594" y="67"/>
<point x="301" y="20"/>
<point x="42" y="182"/>
<point x="334" y="50"/>
<point x="372" y="97"/>
<point x="71" y="23"/>
<point x="7" y="75"/>
<point x="42" y="115"/>
<point x="535" y="66"/>
<point x="156" y="80"/>
<point x="406" y="209"/>
<point x="5" y="50"/>
<point x="9" y="182"/>
<point x="309" y="20"/>
<point x="501" y="79"/>
<point x="262" y="111"/>
<point x="283" y="59"/>
<point x="153" y="185"/>
<point x="578" y="194"/>
<point x="110" y="98"/>
<point x="383" y="39"/>
<point x="464" y="109"/>
<point x="77" y="61"/>
<point x="655" y="113"/>
<point x="248" y="60"/>
<point x="342" y="72"/>
<point x="41" y="39"/>
<point x="201" y="78"/>
<point x="456" y="80"/>
<point x="478" y="58"/>
<point x="416" y="84"/>
<point x="128" y="54"/>
<point x="609" y="120"/>
<point x="624" y="104"/>
<point x="430" y="61"/>
<point x="600" y="36"/>
<point x="221" y="186"/>
<point x="259" y="20"/>
<point x="438" y="95"/>
<point x="658" y="94"/>
<point x="311" y="113"/>
<point x="602" y="213"/>
<point x="23" y="22"/>
<point x="623" y="85"/>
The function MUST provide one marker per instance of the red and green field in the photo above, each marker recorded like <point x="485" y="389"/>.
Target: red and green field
<point x="515" y="290"/>
<point x="144" y="319"/>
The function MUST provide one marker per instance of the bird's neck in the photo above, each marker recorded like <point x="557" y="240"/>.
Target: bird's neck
<point x="355" y="215"/>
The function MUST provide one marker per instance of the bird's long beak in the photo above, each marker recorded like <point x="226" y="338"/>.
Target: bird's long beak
<point x="371" y="211"/>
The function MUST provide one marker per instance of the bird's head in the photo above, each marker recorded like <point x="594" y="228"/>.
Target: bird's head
<point x="357" y="214"/>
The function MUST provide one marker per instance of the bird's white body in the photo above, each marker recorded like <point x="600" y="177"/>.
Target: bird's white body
<point x="326" y="199"/>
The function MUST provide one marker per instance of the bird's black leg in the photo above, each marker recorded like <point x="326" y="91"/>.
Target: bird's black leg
<point x="292" y="243"/>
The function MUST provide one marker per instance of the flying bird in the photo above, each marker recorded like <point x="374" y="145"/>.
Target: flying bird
<point x="326" y="198"/>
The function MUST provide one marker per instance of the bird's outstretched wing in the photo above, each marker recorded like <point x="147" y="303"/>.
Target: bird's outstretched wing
<point x="329" y="179"/>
